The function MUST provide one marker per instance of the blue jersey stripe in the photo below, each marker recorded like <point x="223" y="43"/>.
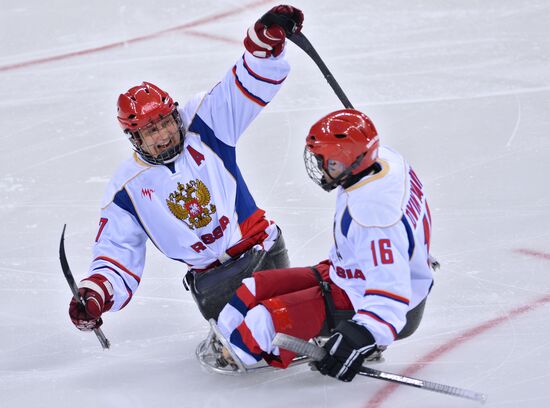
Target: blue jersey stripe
<point x="116" y="273"/>
<point x="238" y="304"/>
<point x="410" y="235"/>
<point x="387" y="295"/>
<point x="238" y="341"/>
<point x="346" y="222"/>
<point x="246" y="92"/>
<point x="122" y="199"/>
<point x="244" y="203"/>
<point x="379" y="319"/>
<point x="259" y="77"/>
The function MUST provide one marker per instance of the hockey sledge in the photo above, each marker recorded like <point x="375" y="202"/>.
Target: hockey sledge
<point x="216" y="355"/>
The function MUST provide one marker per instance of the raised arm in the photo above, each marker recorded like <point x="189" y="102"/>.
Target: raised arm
<point x="230" y="107"/>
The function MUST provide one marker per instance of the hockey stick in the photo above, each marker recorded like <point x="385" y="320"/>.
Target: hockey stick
<point x="302" y="42"/>
<point x="72" y="284"/>
<point x="298" y="38"/>
<point x="303" y="347"/>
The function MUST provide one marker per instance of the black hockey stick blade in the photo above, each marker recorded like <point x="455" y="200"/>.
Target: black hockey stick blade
<point x="74" y="288"/>
<point x="302" y="42"/>
<point x="303" y="347"/>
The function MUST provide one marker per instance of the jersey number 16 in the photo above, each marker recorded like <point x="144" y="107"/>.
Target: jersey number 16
<point x="381" y="252"/>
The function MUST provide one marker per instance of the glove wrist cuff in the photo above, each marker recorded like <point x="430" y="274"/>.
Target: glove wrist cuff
<point x="100" y="285"/>
<point x="357" y="335"/>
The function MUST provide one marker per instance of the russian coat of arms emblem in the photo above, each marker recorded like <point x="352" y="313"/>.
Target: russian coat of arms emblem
<point x="190" y="203"/>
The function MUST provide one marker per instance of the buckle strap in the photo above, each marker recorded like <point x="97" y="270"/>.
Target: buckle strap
<point x="327" y="296"/>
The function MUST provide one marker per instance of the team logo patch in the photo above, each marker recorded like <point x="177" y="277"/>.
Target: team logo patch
<point x="147" y="192"/>
<point x="191" y="204"/>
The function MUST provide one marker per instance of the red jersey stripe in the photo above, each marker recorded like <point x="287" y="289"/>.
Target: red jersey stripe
<point x="118" y="265"/>
<point x="388" y="295"/>
<point x="246" y="92"/>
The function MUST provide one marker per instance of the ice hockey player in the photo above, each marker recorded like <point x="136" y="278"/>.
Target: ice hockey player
<point x="183" y="189"/>
<point x="373" y="288"/>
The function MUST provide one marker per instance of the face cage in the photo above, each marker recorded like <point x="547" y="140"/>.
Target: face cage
<point x="314" y="166"/>
<point x="169" y="155"/>
<point x="316" y="171"/>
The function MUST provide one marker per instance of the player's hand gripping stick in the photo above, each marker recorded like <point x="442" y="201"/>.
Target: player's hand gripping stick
<point x="79" y="303"/>
<point x="302" y="347"/>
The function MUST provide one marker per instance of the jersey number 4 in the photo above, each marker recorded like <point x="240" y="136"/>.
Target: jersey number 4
<point x="381" y="252"/>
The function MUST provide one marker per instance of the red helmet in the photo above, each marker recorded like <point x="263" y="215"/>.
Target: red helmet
<point x="143" y="105"/>
<point x="346" y="136"/>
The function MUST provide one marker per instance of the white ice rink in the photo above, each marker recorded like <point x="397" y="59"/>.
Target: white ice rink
<point x="460" y="87"/>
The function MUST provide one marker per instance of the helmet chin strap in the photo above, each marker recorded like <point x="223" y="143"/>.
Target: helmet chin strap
<point x="341" y="178"/>
<point x="165" y="157"/>
<point x="354" y="178"/>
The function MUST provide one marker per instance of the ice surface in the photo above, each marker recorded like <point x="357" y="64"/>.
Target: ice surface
<point x="461" y="88"/>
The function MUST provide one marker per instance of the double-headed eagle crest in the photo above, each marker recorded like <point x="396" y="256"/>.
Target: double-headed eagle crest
<point x="190" y="204"/>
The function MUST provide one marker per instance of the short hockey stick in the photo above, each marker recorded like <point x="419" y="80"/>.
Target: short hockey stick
<point x="303" y="347"/>
<point x="72" y="284"/>
<point x="301" y="41"/>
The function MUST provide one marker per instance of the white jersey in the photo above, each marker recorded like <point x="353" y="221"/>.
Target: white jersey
<point x="198" y="209"/>
<point x="380" y="256"/>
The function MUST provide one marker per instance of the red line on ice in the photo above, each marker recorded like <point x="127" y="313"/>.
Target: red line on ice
<point x="531" y="252"/>
<point x="212" y="37"/>
<point x="195" y="23"/>
<point x="383" y="394"/>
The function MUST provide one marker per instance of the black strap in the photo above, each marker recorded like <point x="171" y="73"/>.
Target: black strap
<point x="188" y="280"/>
<point x="327" y="296"/>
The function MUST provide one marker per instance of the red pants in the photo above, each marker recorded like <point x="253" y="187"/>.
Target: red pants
<point x="295" y="301"/>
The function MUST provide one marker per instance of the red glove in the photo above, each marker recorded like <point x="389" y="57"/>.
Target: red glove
<point x="97" y="293"/>
<point x="267" y="36"/>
